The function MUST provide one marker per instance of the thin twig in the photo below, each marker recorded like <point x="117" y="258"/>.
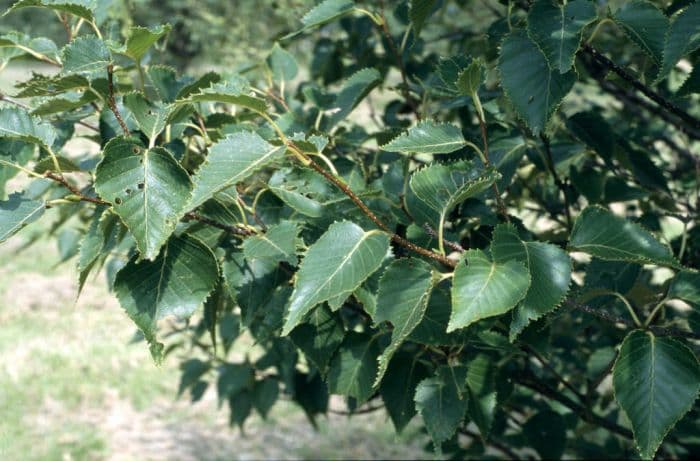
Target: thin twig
<point x="553" y="371"/>
<point x="557" y="180"/>
<point x="399" y="62"/>
<point x="340" y="184"/>
<point x="454" y="245"/>
<point x="112" y="103"/>
<point x="503" y="448"/>
<point x="526" y="379"/>
<point x="648" y="92"/>
<point x="60" y="179"/>
<point x="485" y="140"/>
<point x="631" y="99"/>
<point x="608" y="317"/>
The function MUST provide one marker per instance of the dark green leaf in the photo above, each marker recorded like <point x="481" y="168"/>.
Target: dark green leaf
<point x="404" y="291"/>
<point x="81" y="8"/>
<point x="282" y="64"/>
<point x="85" y="55"/>
<point x="550" y="272"/>
<point x="420" y="11"/>
<point x="176" y="283"/>
<point x="16" y="123"/>
<point x="354" y="367"/>
<point x="600" y="233"/>
<point x="442" y="404"/>
<point x="148" y="189"/>
<point x="398" y="387"/>
<point x="686" y="286"/>
<point x="16" y="212"/>
<point x="334" y="267"/>
<point x="534" y="89"/>
<point x="230" y="161"/>
<point x="428" y="137"/>
<point x="656" y="381"/>
<point x="557" y="29"/>
<point x="644" y="24"/>
<point x="319" y="337"/>
<point x="353" y="91"/>
<point x="482" y="288"/>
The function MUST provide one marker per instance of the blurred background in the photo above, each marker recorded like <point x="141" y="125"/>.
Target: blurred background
<point x="74" y="384"/>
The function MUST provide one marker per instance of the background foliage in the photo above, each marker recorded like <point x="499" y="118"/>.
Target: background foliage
<point x="480" y="213"/>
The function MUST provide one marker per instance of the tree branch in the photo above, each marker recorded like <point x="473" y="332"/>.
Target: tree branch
<point x="526" y="379"/>
<point x="399" y="63"/>
<point x="74" y="190"/>
<point x="557" y="180"/>
<point x="608" y="317"/>
<point x="648" y="92"/>
<point x="112" y="103"/>
<point x="340" y="184"/>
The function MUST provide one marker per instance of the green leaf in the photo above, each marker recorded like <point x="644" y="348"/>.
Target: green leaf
<point x="557" y="29"/>
<point x="85" y="55"/>
<point x="16" y="44"/>
<point x="354" y="367"/>
<point x="140" y="39"/>
<point x="148" y="189"/>
<point x="282" y="64"/>
<point x="686" y="286"/>
<point x="470" y="79"/>
<point x="533" y="88"/>
<point x="277" y="244"/>
<point x="482" y="393"/>
<point x="428" y="137"/>
<point x="333" y="267"/>
<point x="483" y="288"/>
<point x="225" y="92"/>
<point x="399" y="387"/>
<point x="644" y="24"/>
<point x="600" y="233"/>
<point x="691" y="85"/>
<point x="230" y="161"/>
<point x="81" y="8"/>
<point x="550" y="272"/>
<point x="352" y="92"/>
<point x="298" y="202"/>
<point x="41" y="85"/>
<point x="546" y="433"/>
<point x="325" y="12"/>
<point x="176" y="283"/>
<point x="46" y="164"/>
<point x="66" y="103"/>
<point x="441" y="404"/>
<point x="404" y="291"/>
<point x="93" y="241"/>
<point x="319" y="337"/>
<point x="16" y="212"/>
<point x="420" y="11"/>
<point x="16" y="123"/>
<point x="449" y="70"/>
<point x="150" y="117"/>
<point x="265" y="395"/>
<point x="656" y="381"/>
<point x="165" y="81"/>
<point x="442" y="186"/>
<point x="682" y="39"/>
